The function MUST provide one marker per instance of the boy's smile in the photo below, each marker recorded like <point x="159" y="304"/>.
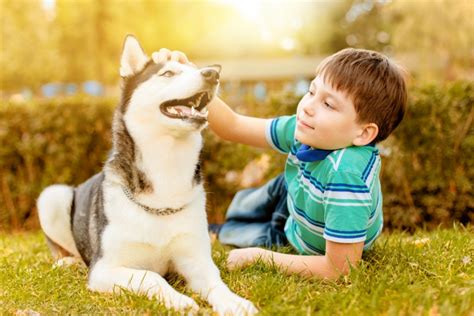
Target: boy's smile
<point x="303" y="124"/>
<point x="326" y="118"/>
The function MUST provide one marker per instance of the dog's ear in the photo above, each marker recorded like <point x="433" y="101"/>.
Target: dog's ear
<point x="133" y="57"/>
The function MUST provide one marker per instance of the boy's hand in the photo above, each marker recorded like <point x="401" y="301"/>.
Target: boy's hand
<point x="240" y="258"/>
<point x="164" y="55"/>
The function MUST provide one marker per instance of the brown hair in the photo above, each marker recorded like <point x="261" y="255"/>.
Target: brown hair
<point x="375" y="85"/>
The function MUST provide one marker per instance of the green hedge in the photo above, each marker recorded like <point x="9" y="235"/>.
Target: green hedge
<point x="428" y="178"/>
<point x="59" y="141"/>
<point x="427" y="169"/>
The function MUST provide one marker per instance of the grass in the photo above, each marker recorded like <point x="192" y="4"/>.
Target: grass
<point x="429" y="273"/>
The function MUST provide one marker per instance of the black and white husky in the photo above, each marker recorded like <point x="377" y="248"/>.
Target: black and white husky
<point x="144" y="214"/>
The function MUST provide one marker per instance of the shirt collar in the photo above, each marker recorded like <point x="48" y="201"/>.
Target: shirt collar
<point x="308" y="154"/>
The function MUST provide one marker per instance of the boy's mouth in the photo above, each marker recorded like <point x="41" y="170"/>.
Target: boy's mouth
<point x="303" y="123"/>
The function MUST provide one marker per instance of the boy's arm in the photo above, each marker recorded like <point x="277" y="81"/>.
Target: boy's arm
<point x="235" y="127"/>
<point x="337" y="261"/>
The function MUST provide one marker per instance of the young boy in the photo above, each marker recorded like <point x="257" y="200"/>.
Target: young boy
<point x="328" y="203"/>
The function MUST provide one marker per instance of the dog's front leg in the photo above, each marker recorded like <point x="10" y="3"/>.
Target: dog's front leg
<point x="107" y="278"/>
<point x="194" y="262"/>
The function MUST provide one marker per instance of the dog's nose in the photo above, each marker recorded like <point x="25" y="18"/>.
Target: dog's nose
<point x="210" y="75"/>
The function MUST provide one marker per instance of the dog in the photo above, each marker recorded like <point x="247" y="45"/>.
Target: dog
<point x="144" y="214"/>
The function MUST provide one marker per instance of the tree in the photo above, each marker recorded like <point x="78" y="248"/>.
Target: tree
<point x="434" y="37"/>
<point x="26" y="54"/>
<point x="440" y="32"/>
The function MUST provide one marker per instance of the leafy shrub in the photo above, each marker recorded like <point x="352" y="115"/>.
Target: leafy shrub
<point x="46" y="142"/>
<point x="426" y="176"/>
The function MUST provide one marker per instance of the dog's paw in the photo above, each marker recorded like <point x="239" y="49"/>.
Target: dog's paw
<point x="178" y="302"/>
<point x="66" y="262"/>
<point x="232" y="304"/>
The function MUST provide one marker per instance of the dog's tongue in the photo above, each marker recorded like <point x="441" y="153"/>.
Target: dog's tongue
<point x="183" y="109"/>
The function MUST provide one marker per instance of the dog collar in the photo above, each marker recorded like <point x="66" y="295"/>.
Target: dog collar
<point x="154" y="211"/>
<point x="308" y="154"/>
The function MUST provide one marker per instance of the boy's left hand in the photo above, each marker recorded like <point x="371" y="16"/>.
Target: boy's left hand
<point x="240" y="258"/>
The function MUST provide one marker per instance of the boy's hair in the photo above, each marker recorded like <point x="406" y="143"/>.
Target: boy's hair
<point x="375" y="85"/>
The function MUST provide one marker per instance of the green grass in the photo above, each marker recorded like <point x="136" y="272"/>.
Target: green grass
<point x="429" y="273"/>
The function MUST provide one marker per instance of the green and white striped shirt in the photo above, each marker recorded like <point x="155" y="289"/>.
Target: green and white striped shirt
<point x="338" y="198"/>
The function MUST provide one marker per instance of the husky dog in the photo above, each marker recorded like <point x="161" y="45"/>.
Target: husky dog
<point x="144" y="214"/>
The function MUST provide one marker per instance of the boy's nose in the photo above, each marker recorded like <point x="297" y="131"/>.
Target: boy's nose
<point x="210" y="75"/>
<point x="308" y="110"/>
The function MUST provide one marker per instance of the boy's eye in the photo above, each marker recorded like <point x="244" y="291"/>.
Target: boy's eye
<point x="328" y="105"/>
<point x="168" y="73"/>
<point x="311" y="92"/>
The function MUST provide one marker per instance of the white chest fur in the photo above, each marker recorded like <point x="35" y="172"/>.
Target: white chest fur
<point x="134" y="237"/>
<point x="169" y="163"/>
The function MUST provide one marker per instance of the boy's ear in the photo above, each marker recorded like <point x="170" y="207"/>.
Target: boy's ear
<point x="368" y="133"/>
<point x="133" y="57"/>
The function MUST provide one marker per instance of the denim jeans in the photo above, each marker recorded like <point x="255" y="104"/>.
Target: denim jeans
<point x="257" y="216"/>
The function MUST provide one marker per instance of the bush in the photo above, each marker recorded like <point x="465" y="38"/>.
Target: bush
<point x="46" y="142"/>
<point x="426" y="177"/>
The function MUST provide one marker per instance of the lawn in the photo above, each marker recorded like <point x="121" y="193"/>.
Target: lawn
<point x="428" y="273"/>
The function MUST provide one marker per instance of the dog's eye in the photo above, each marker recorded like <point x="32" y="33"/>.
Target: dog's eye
<point x="168" y="73"/>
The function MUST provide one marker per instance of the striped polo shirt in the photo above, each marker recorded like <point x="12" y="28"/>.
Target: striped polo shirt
<point x="337" y="198"/>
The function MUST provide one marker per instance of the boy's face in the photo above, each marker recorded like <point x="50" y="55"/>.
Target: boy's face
<point x="326" y="118"/>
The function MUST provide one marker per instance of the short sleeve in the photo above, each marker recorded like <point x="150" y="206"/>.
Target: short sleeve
<point x="347" y="206"/>
<point x="280" y="133"/>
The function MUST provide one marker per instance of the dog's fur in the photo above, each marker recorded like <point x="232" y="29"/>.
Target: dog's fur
<point x="155" y="157"/>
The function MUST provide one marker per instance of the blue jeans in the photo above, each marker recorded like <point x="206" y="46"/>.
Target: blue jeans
<point x="257" y="217"/>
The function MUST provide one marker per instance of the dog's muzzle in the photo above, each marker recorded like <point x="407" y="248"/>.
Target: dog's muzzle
<point x="193" y="109"/>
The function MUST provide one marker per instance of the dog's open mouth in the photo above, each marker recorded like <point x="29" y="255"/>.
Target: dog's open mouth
<point x="193" y="108"/>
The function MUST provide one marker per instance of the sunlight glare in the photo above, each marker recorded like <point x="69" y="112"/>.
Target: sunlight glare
<point x="288" y="43"/>
<point x="249" y="9"/>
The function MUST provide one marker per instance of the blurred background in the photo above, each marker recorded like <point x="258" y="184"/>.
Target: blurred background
<point x="59" y="62"/>
<point x="75" y="42"/>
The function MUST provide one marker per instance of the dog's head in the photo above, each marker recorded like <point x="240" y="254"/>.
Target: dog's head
<point x="170" y="96"/>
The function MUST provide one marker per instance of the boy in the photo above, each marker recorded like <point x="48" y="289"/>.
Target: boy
<point x="328" y="204"/>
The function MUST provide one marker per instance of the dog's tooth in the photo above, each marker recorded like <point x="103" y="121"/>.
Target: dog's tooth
<point x="198" y="100"/>
<point x="193" y="111"/>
